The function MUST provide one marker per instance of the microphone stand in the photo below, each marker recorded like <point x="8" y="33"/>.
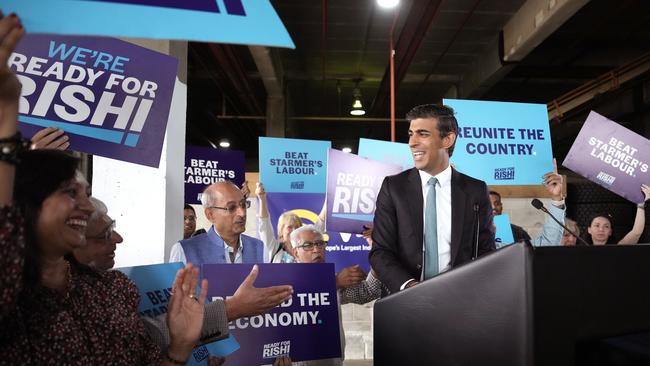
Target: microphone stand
<point x="475" y="254"/>
<point x="541" y="207"/>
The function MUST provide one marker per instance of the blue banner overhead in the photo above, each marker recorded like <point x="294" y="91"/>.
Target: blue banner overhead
<point x="251" y="22"/>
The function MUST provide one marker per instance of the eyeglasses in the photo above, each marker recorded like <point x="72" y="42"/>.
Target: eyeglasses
<point x="106" y="234"/>
<point x="308" y="246"/>
<point x="232" y="207"/>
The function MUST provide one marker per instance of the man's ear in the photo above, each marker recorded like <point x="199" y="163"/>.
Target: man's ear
<point x="449" y="140"/>
<point x="208" y="214"/>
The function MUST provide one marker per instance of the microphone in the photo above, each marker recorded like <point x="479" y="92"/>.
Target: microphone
<point x="540" y="206"/>
<point x="475" y="251"/>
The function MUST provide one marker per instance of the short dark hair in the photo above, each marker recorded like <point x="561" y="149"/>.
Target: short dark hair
<point x="38" y="175"/>
<point x="447" y="123"/>
<point x="495" y="193"/>
<point x="188" y="207"/>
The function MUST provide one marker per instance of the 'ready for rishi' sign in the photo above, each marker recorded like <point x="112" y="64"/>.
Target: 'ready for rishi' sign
<point x="612" y="156"/>
<point x="104" y="93"/>
<point x="352" y="186"/>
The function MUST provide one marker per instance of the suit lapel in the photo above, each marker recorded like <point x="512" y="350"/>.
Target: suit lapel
<point x="458" y="207"/>
<point x="415" y="203"/>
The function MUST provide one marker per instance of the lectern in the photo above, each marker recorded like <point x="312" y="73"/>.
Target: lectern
<point x="522" y="305"/>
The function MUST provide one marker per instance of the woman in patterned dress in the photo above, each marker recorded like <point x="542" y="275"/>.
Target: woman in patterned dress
<point x="54" y="310"/>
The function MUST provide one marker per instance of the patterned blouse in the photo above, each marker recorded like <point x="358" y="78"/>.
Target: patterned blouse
<point x="95" y="322"/>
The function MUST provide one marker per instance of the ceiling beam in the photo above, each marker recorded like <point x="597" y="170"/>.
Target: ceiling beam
<point x="415" y="28"/>
<point x="527" y="28"/>
<point x="235" y="75"/>
<point x="533" y="23"/>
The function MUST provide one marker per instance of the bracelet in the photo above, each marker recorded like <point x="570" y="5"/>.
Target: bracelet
<point x="11" y="147"/>
<point x="641" y="205"/>
<point x="173" y="360"/>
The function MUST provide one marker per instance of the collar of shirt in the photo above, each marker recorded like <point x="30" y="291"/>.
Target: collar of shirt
<point x="444" y="177"/>
<point x="228" y="249"/>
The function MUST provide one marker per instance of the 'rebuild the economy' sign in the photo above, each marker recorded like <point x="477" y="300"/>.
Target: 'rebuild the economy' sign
<point x="305" y="327"/>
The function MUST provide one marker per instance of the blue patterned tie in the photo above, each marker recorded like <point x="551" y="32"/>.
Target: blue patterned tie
<point x="431" y="232"/>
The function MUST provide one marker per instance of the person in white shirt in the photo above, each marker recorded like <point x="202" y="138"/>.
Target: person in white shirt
<point x="275" y="250"/>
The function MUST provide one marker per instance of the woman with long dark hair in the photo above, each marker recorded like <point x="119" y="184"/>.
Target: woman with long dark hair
<point x="54" y="310"/>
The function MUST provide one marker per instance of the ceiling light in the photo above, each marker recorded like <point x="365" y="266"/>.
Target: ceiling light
<point x="224" y="143"/>
<point x="387" y="4"/>
<point x="346" y="150"/>
<point x="357" y="107"/>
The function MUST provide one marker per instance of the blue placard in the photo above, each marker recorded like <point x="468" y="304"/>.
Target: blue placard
<point x="306" y="327"/>
<point x="502" y="143"/>
<point x="154" y="283"/>
<point x="387" y="152"/>
<point x="503" y="234"/>
<point x="253" y="22"/>
<point x="292" y="165"/>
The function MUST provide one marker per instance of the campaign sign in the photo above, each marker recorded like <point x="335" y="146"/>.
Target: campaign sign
<point x="352" y="186"/>
<point x="347" y="249"/>
<point x="253" y="22"/>
<point x="305" y="327"/>
<point x="292" y="165"/>
<point x="388" y="152"/>
<point x="104" y="93"/>
<point x="294" y="173"/>
<point x="503" y="234"/>
<point x="154" y="283"/>
<point x="612" y="156"/>
<point x="205" y="166"/>
<point x="502" y="143"/>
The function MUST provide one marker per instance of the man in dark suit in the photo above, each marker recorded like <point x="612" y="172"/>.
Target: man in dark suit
<point x="426" y="218"/>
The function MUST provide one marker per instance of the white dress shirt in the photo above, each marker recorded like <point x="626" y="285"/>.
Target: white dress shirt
<point x="443" y="216"/>
<point x="177" y="254"/>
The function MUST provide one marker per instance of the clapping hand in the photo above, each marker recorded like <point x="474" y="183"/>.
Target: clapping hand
<point x="185" y="313"/>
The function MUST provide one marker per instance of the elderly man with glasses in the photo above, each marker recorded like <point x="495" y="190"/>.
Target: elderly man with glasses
<point x="225" y="207"/>
<point x="310" y="247"/>
<point x="101" y="239"/>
